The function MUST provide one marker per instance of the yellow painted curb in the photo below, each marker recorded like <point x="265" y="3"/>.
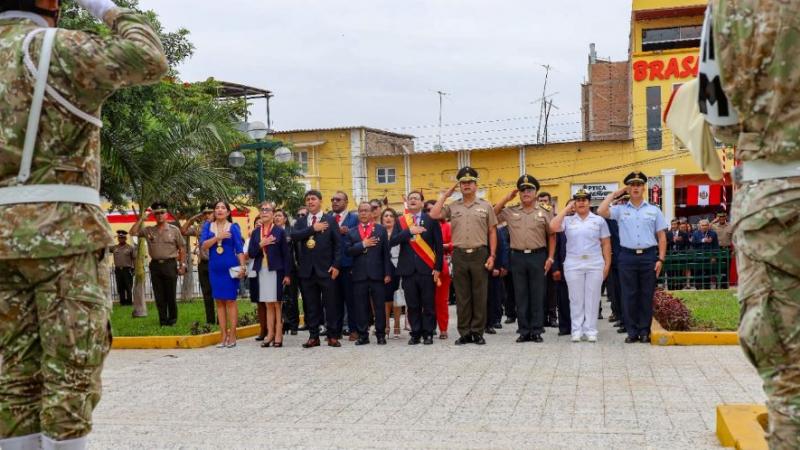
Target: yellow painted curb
<point x="167" y="342"/>
<point x="742" y="426"/>
<point x="660" y="336"/>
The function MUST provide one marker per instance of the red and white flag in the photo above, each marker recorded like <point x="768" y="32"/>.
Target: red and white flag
<point x="703" y="195"/>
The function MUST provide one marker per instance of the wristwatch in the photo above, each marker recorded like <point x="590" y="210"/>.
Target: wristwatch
<point x="661" y="260"/>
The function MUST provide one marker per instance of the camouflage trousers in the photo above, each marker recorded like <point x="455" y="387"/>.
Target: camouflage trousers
<point x="767" y="239"/>
<point x="54" y="337"/>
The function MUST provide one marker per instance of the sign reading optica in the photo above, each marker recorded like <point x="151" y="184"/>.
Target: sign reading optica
<point x="598" y="190"/>
<point x="664" y="70"/>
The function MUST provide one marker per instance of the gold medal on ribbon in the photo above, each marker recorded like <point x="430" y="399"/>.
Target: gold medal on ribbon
<point x="311" y="243"/>
<point x="220" y="250"/>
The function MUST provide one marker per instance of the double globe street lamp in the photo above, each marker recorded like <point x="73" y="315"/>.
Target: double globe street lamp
<point x="258" y="131"/>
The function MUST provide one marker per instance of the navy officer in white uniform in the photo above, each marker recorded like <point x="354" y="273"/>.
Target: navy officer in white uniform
<point x="643" y="241"/>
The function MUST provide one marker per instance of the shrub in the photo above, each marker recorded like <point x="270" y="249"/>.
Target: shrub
<point x="199" y="329"/>
<point x="249" y="318"/>
<point x="670" y="312"/>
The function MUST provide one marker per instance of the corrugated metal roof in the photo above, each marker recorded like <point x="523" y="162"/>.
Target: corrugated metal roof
<point x="359" y="127"/>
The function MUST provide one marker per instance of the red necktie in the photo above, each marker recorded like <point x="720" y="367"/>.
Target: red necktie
<point x="337" y="216"/>
<point x="313" y="220"/>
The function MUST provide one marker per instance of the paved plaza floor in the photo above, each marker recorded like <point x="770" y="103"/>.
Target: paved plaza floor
<point x="556" y="394"/>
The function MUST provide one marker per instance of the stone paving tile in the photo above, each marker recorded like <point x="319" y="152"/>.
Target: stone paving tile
<point x="504" y="395"/>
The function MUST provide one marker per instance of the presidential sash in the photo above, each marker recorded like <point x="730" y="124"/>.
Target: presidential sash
<point x="420" y="247"/>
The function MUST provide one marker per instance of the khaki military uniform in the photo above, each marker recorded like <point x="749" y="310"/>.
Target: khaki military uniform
<point x="758" y="48"/>
<point x="470" y="236"/>
<point x="124" y="261"/>
<point x="164" y="244"/>
<point x="54" y="299"/>
<point x="529" y="231"/>
<point x="724" y="233"/>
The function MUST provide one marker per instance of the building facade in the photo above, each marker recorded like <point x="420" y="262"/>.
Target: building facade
<point x="622" y="113"/>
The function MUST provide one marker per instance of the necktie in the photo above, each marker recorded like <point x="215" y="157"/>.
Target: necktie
<point x="313" y="220"/>
<point x="338" y="216"/>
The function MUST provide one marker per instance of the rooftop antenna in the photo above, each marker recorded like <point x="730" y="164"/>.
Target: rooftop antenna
<point x="543" y="108"/>
<point x="438" y="146"/>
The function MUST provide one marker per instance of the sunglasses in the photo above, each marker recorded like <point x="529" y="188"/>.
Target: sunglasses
<point x="301" y="215"/>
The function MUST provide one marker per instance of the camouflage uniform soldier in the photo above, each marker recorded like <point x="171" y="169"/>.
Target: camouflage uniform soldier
<point x="748" y="86"/>
<point x="54" y="293"/>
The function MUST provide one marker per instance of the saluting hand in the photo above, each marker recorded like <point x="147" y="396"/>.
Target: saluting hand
<point x="511" y="196"/>
<point x="451" y="190"/>
<point x="570" y="208"/>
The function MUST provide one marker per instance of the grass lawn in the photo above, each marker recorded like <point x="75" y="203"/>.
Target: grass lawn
<point x="122" y="324"/>
<point x="712" y="310"/>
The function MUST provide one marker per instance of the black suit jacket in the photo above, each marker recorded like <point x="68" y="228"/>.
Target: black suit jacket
<point x="373" y="263"/>
<point x="408" y="262"/>
<point x="325" y="254"/>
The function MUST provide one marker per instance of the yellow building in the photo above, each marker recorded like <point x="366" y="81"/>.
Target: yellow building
<point x="620" y="135"/>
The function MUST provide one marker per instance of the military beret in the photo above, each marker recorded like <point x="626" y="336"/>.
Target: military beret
<point x="122" y="233"/>
<point x="467" y="174"/>
<point x="636" y="176"/>
<point x="527" y="181"/>
<point x="581" y="193"/>
<point x="158" y="207"/>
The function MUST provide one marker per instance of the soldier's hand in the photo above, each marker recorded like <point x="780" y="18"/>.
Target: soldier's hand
<point x="570" y="208"/>
<point x="451" y="190"/>
<point x="321" y="226"/>
<point x="489" y="263"/>
<point x="97" y="8"/>
<point x="513" y="194"/>
<point x="623" y="190"/>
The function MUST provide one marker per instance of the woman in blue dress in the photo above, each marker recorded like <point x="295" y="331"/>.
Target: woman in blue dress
<point x="226" y="266"/>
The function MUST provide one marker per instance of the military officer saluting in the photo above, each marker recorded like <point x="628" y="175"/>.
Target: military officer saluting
<point x="474" y="235"/>
<point x="643" y="245"/>
<point x="54" y="305"/>
<point x="532" y="254"/>
<point x="723" y="228"/>
<point x="124" y="259"/>
<point x="167" y="260"/>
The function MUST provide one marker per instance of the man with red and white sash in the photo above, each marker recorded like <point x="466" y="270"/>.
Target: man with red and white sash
<point x="419" y="265"/>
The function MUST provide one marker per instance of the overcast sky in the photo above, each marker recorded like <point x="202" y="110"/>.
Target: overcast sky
<point x="379" y="63"/>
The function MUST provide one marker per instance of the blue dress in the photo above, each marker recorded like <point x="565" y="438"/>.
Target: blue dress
<point x="223" y="287"/>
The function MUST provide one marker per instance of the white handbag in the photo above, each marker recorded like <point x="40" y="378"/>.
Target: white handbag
<point x="234" y="271"/>
<point x="399" y="298"/>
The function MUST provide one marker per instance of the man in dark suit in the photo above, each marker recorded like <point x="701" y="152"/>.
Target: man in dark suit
<point x="345" y="221"/>
<point x="317" y="237"/>
<point x="419" y="263"/>
<point x="368" y="245"/>
<point x="560" y="283"/>
<point x="497" y="293"/>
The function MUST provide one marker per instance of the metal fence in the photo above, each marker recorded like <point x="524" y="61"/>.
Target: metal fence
<point x="148" y="287"/>
<point x="697" y="269"/>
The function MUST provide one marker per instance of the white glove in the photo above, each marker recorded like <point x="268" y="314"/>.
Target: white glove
<point x="97" y="8"/>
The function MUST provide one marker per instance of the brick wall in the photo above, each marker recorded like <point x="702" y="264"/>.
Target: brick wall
<point x="606" y="102"/>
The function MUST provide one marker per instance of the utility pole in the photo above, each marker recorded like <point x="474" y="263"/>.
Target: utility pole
<point x="543" y="107"/>
<point x="438" y="146"/>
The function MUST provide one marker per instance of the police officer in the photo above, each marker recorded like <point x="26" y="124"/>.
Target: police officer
<point x="723" y="228"/>
<point x="533" y="246"/>
<point x="643" y="247"/>
<point x="473" y="224"/>
<point x="55" y="241"/>
<point x="193" y="227"/>
<point x="124" y="259"/>
<point x="167" y="260"/>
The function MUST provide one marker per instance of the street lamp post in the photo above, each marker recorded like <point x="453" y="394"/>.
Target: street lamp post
<point x="258" y="131"/>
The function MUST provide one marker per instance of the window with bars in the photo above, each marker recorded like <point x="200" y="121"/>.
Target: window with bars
<point x="386" y="175"/>
<point x="301" y="158"/>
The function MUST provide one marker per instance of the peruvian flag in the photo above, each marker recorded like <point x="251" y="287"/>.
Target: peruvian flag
<point x="703" y="195"/>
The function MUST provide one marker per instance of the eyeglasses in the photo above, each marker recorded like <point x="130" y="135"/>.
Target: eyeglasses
<point x="266" y="209"/>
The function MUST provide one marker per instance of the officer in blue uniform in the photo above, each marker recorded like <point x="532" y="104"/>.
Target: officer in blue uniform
<point x="643" y="247"/>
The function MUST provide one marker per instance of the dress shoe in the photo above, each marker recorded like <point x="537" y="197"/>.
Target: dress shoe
<point x="536" y="337"/>
<point x="621" y="330"/>
<point x="293" y="332"/>
<point x="381" y="340"/>
<point x="575" y="338"/>
<point x="552" y="323"/>
<point x="413" y="341"/>
<point x="467" y="339"/>
<point x="478" y="339"/>
<point x="362" y="340"/>
<point x="260" y="338"/>
<point x="600" y="316"/>
<point x="346" y="331"/>
<point x="523" y="338"/>
<point x="427" y="340"/>
<point x="645" y="339"/>
<point x="442" y="335"/>
<point x="313" y="342"/>
<point x="563" y="333"/>
<point x="490" y="330"/>
<point x="592" y="339"/>
<point x="617" y="324"/>
<point x="353" y="336"/>
<point x="498" y="326"/>
<point x="510" y="319"/>
<point x="631" y="340"/>
<point x="612" y="318"/>
<point x="333" y="342"/>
